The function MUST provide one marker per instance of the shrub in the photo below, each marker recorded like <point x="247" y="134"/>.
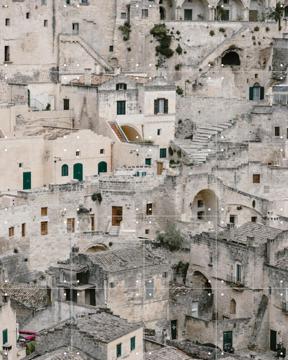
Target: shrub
<point x="222" y="30"/>
<point x="178" y="67"/>
<point x="172" y="239"/>
<point x="160" y="33"/>
<point x="125" y="29"/>
<point x="256" y="28"/>
<point x="179" y="49"/>
<point x="181" y="269"/>
<point x="267" y="29"/>
<point x="211" y="32"/>
<point x="96" y="197"/>
<point x="170" y="151"/>
<point x="179" y="91"/>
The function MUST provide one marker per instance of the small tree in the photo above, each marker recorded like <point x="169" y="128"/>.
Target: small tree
<point x="171" y="239"/>
<point x="277" y="14"/>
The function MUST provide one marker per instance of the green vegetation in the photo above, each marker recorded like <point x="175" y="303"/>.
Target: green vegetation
<point x="161" y="34"/>
<point x="277" y="14"/>
<point x="172" y="239"/>
<point x="96" y="197"/>
<point x="125" y="29"/>
<point x="222" y="30"/>
<point x="211" y="32"/>
<point x="30" y="347"/>
<point x="179" y="91"/>
<point x="181" y="269"/>
<point x="256" y="28"/>
<point x="178" y="67"/>
<point x="179" y="49"/>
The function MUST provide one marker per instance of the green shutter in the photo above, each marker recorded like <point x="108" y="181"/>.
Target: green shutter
<point x="5" y="336"/>
<point x="156" y="106"/>
<point x="261" y="93"/>
<point x="165" y="106"/>
<point x="148" y="161"/>
<point x="118" y="350"/>
<point x="64" y="170"/>
<point x="251" y="93"/>
<point x="163" y="153"/>
<point x="26" y="180"/>
<point x="78" y="172"/>
<point x="102" y="167"/>
<point x="133" y="343"/>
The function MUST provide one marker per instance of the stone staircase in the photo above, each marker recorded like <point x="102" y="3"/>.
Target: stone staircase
<point x="197" y="150"/>
<point x="118" y="131"/>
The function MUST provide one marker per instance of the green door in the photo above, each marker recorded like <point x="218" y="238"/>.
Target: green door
<point x="5" y="336"/>
<point x="78" y="172"/>
<point x="102" y="167"/>
<point x="273" y="340"/>
<point x="173" y="329"/>
<point x="227" y="339"/>
<point x="26" y="180"/>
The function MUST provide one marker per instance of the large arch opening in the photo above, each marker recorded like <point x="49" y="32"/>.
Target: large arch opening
<point x="205" y="205"/>
<point x="202" y="296"/>
<point x="166" y="10"/>
<point x="231" y="58"/>
<point x="131" y="133"/>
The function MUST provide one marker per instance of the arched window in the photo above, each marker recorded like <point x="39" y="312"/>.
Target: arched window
<point x="253" y="204"/>
<point x="238" y="272"/>
<point x="256" y="92"/>
<point x="231" y="58"/>
<point x="232" y="306"/>
<point x="65" y="170"/>
<point x="102" y="167"/>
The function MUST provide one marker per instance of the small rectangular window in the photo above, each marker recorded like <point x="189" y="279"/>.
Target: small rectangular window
<point x="44" y="211"/>
<point x="5" y="336"/>
<point x="111" y="48"/>
<point x="45" y="23"/>
<point x="92" y="222"/>
<point x="77" y="153"/>
<point x="102" y="151"/>
<point x="158" y="132"/>
<point x="75" y="28"/>
<point x="11" y="231"/>
<point x="161" y="106"/>
<point x="133" y="343"/>
<point x="254" y="219"/>
<point x="277" y="130"/>
<point x="149" y="289"/>
<point x="123" y="15"/>
<point x="6" y="53"/>
<point x="121" y="107"/>
<point x="44" y="227"/>
<point x="70" y="225"/>
<point x="163" y="153"/>
<point x="149" y="209"/>
<point x="7" y="22"/>
<point x="27" y="15"/>
<point x="118" y="350"/>
<point x="121" y="86"/>
<point x="23" y="230"/>
<point x="144" y="13"/>
<point x="256" y="178"/>
<point x="200" y="215"/>
<point x="148" y="161"/>
<point x="232" y="219"/>
<point x="200" y="203"/>
<point x="146" y="231"/>
<point x="66" y="104"/>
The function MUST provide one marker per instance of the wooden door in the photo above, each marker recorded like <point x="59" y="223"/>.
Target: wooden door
<point x="159" y="167"/>
<point x="116" y="215"/>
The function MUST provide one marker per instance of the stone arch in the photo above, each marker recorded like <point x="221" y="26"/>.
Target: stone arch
<point x="233" y="307"/>
<point x="131" y="133"/>
<point x="230" y="58"/>
<point x="97" y="248"/>
<point x="200" y="281"/>
<point x="205" y="205"/>
<point x="166" y="8"/>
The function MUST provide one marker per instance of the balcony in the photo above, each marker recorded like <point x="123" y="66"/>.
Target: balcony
<point x="234" y="282"/>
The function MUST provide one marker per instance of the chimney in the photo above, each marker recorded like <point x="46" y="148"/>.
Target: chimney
<point x="87" y="77"/>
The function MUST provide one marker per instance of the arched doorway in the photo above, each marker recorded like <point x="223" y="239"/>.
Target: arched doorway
<point x="231" y="58"/>
<point x="233" y="307"/>
<point x="162" y="13"/>
<point x="131" y="133"/>
<point x="102" y="167"/>
<point x="78" y="172"/>
<point x="205" y="205"/>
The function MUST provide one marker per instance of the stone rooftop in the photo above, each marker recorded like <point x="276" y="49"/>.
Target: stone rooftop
<point x="27" y="295"/>
<point x="259" y="232"/>
<point x="128" y="258"/>
<point x="167" y="353"/>
<point x="62" y="354"/>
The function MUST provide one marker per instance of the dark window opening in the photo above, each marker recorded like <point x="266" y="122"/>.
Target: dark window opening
<point x="149" y="209"/>
<point x="277" y="130"/>
<point x="121" y="107"/>
<point x="162" y="12"/>
<point x="256" y="92"/>
<point x="254" y="219"/>
<point x="232" y="219"/>
<point x="75" y="28"/>
<point x="256" y="178"/>
<point x="111" y="48"/>
<point x="7" y="53"/>
<point x="231" y="58"/>
<point x="45" y="23"/>
<point x="188" y="14"/>
<point x="118" y="350"/>
<point x="66" y="104"/>
<point x="27" y="15"/>
<point x="161" y="106"/>
<point x="163" y="153"/>
<point x="7" y="22"/>
<point x="121" y="86"/>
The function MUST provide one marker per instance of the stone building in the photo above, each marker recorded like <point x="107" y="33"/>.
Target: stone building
<point x="133" y="282"/>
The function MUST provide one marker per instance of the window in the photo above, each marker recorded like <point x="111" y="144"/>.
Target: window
<point x="200" y="215"/>
<point x="44" y="211"/>
<point x="43" y="2"/>
<point x="67" y="2"/>
<point x="65" y="170"/>
<point x="77" y="153"/>
<point x="7" y="22"/>
<point x="66" y="104"/>
<point x="254" y="219"/>
<point x="188" y="14"/>
<point x="253" y="204"/>
<point x="70" y="225"/>
<point x="121" y="86"/>
<point x="6" y="53"/>
<point x="102" y="151"/>
<point x="118" y="350"/>
<point x="27" y="15"/>
<point x="163" y="153"/>
<point x="45" y="23"/>
<point x="11" y="231"/>
<point x="161" y="106"/>
<point x="232" y="219"/>
<point x="149" y="287"/>
<point x="133" y="343"/>
<point x="158" y="132"/>
<point x="23" y="230"/>
<point x="92" y="222"/>
<point x="84" y="2"/>
<point x="5" y="336"/>
<point x="121" y="107"/>
<point x="144" y="13"/>
<point x="75" y="28"/>
<point x="111" y="48"/>
<point x="148" y="161"/>
<point x="146" y="231"/>
<point x="256" y="178"/>
<point x="123" y="15"/>
<point x="232" y="306"/>
<point x="238" y="272"/>
<point x="277" y="131"/>
<point x="149" y="209"/>
<point x="256" y="92"/>
<point x="44" y="227"/>
<point x="200" y="203"/>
